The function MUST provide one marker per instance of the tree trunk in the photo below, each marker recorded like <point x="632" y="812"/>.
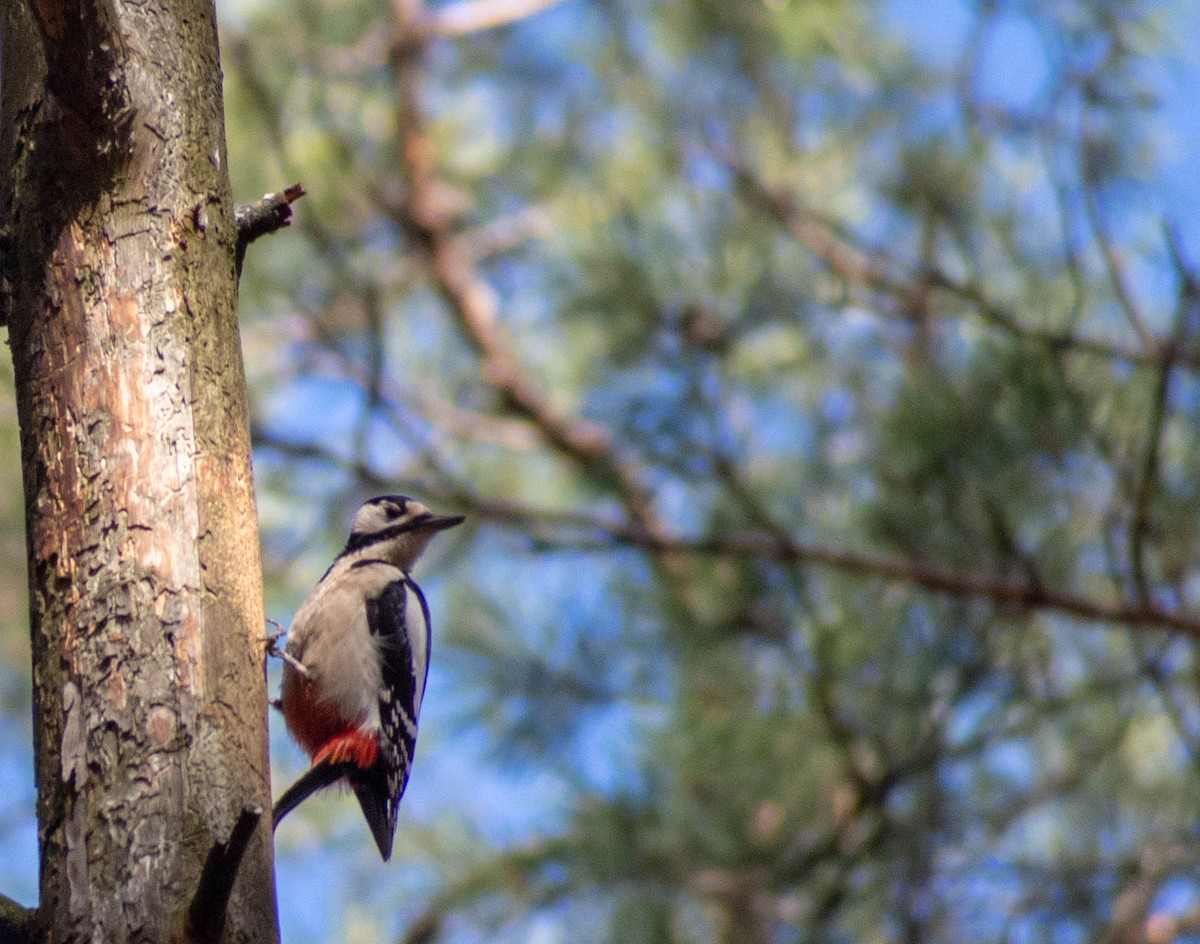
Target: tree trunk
<point x="117" y="281"/>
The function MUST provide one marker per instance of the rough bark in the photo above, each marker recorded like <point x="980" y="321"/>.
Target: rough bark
<point x="117" y="280"/>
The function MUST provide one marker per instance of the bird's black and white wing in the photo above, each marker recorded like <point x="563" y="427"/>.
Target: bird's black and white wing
<point x="399" y="621"/>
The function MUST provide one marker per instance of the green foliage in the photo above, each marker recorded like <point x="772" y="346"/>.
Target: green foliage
<point x="820" y="384"/>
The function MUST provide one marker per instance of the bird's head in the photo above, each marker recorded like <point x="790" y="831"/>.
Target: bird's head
<point x="396" y="528"/>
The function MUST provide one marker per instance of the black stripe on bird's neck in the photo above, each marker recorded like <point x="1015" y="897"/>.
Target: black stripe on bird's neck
<point x="370" y="562"/>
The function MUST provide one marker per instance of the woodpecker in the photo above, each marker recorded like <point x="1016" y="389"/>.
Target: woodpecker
<point x="356" y="661"/>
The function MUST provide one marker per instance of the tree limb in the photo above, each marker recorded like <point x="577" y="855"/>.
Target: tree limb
<point x="1016" y="595"/>
<point x="473" y="303"/>
<point x="18" y="924"/>
<point x="1143" y="499"/>
<point x="579" y="531"/>
<point x="271" y="212"/>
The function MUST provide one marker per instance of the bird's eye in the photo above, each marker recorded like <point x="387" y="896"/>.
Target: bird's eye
<point x="392" y="511"/>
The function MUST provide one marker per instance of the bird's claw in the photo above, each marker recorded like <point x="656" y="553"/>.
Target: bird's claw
<point x="273" y="649"/>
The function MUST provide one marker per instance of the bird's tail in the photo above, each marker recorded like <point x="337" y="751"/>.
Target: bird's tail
<point x="319" y="776"/>
<point x="378" y="812"/>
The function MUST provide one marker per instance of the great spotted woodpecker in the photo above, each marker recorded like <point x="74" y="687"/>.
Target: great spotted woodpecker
<point x="356" y="661"/>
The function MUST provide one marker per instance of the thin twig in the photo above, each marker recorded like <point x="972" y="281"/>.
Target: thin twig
<point x="473" y="16"/>
<point x="1148" y="483"/>
<point x="878" y="271"/>
<point x="1159" y="408"/>
<point x="1108" y="252"/>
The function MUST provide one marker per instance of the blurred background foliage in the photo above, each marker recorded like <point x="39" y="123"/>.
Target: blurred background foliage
<point x="820" y="380"/>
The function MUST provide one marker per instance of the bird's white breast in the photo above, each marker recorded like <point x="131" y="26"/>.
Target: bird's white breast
<point x="331" y="638"/>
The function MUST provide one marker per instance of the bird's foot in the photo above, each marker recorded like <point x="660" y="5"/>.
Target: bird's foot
<point x="273" y="648"/>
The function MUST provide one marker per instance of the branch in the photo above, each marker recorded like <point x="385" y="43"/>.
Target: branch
<point x="1131" y="920"/>
<point x="1017" y="595"/>
<point x="474" y="304"/>
<point x="1189" y="296"/>
<point x="271" y="212"/>
<point x="877" y="270"/>
<point x="18" y="924"/>
<point x="552" y="528"/>
<point x="505" y="233"/>
<point x="1108" y="251"/>
<point x="472" y="16"/>
<point x="1148" y="475"/>
<point x="204" y="919"/>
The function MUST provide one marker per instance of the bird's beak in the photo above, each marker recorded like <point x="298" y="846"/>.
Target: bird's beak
<point x="440" y="522"/>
